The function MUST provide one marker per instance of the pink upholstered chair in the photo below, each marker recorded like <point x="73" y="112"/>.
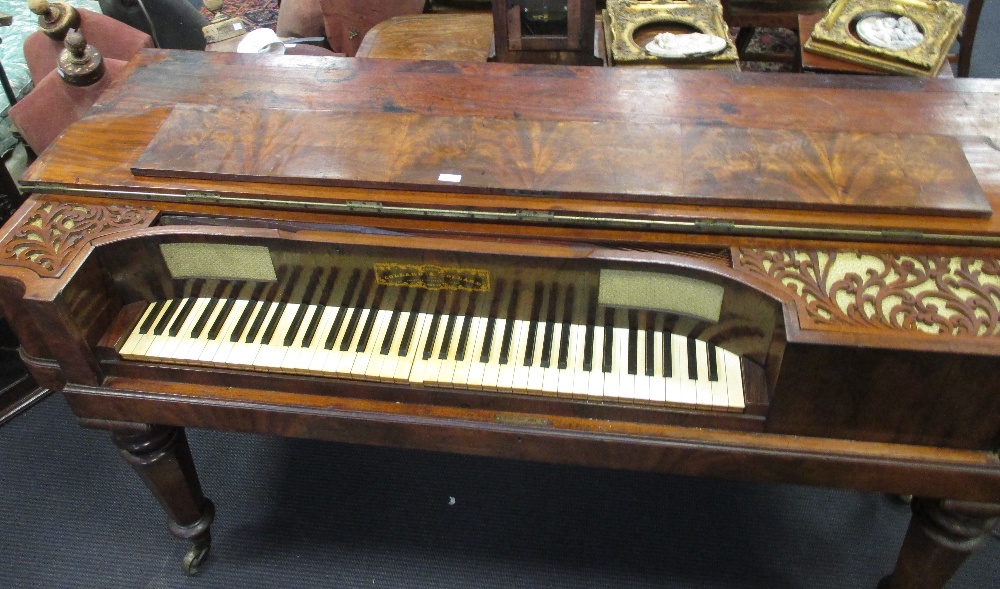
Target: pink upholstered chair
<point x="111" y="38"/>
<point x="59" y="99"/>
<point x="345" y="22"/>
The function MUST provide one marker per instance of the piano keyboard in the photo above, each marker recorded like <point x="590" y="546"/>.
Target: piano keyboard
<point x="539" y="337"/>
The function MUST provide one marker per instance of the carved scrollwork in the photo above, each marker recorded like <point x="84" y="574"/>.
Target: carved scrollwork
<point x="926" y="293"/>
<point x="53" y="232"/>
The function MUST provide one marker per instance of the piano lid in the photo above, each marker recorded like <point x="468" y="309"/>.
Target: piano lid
<point x="650" y="161"/>
<point x="752" y="154"/>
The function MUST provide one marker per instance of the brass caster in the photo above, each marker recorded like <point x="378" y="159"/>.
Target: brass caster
<point x="196" y="557"/>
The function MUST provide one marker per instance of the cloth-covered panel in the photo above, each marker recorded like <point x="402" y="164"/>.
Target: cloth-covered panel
<point x="347" y="21"/>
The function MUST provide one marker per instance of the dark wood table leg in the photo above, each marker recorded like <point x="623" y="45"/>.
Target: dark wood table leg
<point x="162" y="458"/>
<point x="941" y="535"/>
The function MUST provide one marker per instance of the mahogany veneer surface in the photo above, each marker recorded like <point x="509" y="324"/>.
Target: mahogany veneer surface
<point x="96" y="154"/>
<point x="655" y="162"/>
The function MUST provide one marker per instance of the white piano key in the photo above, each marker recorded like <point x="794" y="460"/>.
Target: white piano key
<point x="475" y="321"/>
<point x="734" y="381"/>
<point x="179" y="343"/>
<point x="595" y="384"/>
<point x="162" y="340"/>
<point x="640" y="380"/>
<point x="684" y="393"/>
<point x="217" y="351"/>
<point x="311" y="360"/>
<point x="491" y="368"/>
<point x="348" y="355"/>
<point x="387" y="373"/>
<point x="717" y="388"/>
<point x="419" y="366"/>
<point x="550" y="375"/>
<point x="371" y="367"/>
<point x="246" y="351"/>
<point x="298" y="356"/>
<point x="658" y="382"/>
<point x="128" y="349"/>
<point x="703" y="385"/>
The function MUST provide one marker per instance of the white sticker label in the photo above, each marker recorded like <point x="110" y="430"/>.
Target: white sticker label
<point x="449" y="177"/>
<point x="237" y="26"/>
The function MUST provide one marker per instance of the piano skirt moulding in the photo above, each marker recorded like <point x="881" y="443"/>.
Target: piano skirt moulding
<point x="637" y="269"/>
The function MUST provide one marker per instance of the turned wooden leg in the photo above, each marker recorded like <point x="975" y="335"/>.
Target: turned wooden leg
<point x="942" y="534"/>
<point x="162" y="458"/>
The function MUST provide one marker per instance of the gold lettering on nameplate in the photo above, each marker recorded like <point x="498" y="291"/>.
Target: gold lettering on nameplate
<point x="432" y="277"/>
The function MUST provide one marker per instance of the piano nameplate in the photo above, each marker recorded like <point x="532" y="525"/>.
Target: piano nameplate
<point x="221" y="261"/>
<point x="661" y="292"/>
<point x="432" y="277"/>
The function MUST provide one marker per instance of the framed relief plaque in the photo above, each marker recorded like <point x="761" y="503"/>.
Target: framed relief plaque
<point x="909" y="37"/>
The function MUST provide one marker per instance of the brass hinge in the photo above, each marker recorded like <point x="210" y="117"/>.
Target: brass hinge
<point x="535" y="216"/>
<point x="364" y="206"/>
<point x="902" y="234"/>
<point x="203" y="196"/>
<point x="715" y="226"/>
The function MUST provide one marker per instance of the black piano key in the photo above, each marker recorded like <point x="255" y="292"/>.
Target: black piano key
<point x="286" y="295"/>
<point x="650" y="368"/>
<point x="588" y="340"/>
<point x="491" y="322"/>
<point x="175" y="327"/>
<point x="411" y="322"/>
<point x="692" y="358"/>
<point x="567" y="321"/>
<point x="366" y="330"/>
<point x="206" y="314"/>
<point x="508" y="329"/>
<point x="449" y="330"/>
<point x="252" y="302"/>
<point x="668" y="353"/>
<point x="463" y="337"/>
<point x="713" y="364"/>
<point x="357" y="310"/>
<point x="322" y="304"/>
<point x="352" y="285"/>
<point x="609" y="339"/>
<point x="300" y="313"/>
<point x="390" y="330"/>
<point x="269" y="297"/>
<point x="536" y="312"/>
<point x="234" y="293"/>
<point x="164" y="321"/>
<point x="432" y="330"/>
<point x="633" y="341"/>
<point x="148" y="323"/>
<point x="550" y="326"/>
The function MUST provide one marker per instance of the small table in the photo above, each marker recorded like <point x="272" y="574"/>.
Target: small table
<point x="459" y="36"/>
<point x="813" y="62"/>
<point x="450" y="36"/>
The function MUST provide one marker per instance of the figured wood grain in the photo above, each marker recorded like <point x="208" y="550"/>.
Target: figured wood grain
<point x="594" y="159"/>
<point x="97" y="152"/>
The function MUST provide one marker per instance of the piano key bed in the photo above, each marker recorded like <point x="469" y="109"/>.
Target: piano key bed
<point x="531" y="338"/>
<point x="553" y="326"/>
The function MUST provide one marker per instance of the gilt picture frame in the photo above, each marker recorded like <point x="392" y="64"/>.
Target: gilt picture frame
<point x="836" y="36"/>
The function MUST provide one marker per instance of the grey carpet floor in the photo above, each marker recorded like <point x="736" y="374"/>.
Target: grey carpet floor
<point x="303" y="514"/>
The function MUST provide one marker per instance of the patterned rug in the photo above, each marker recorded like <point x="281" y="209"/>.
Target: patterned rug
<point x="783" y="44"/>
<point x="256" y="14"/>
